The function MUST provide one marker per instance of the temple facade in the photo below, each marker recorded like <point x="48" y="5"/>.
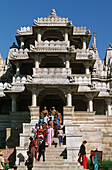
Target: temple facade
<point x="52" y="65"/>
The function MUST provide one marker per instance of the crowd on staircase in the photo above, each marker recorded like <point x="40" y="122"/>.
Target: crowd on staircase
<point x="48" y="127"/>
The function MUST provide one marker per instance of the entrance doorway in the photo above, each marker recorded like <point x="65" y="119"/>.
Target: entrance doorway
<point x="52" y="98"/>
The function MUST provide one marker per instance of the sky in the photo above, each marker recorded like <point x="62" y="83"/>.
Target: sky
<point x="96" y="15"/>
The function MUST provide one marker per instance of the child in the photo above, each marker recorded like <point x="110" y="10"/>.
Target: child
<point x="60" y="135"/>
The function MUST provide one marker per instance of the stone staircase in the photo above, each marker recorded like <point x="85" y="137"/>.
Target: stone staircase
<point x="99" y="126"/>
<point x="54" y="159"/>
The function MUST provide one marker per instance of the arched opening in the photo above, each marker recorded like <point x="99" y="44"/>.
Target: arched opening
<point x="52" y="35"/>
<point x="26" y="68"/>
<point x="23" y="101"/>
<point x="5" y="105"/>
<point x="77" y="68"/>
<point x="52" y="98"/>
<point x="99" y="106"/>
<point x="80" y="103"/>
<point x="52" y="62"/>
<point x="77" y="43"/>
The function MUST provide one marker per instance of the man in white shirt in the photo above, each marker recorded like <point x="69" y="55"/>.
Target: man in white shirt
<point x="1" y="161"/>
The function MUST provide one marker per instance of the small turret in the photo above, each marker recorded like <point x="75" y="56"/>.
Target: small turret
<point x="14" y="45"/>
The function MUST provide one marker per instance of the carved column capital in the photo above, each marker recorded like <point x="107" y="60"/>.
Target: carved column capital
<point x="108" y="101"/>
<point x="89" y="96"/>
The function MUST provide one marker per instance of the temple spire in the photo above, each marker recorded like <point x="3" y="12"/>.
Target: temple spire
<point x="94" y="39"/>
<point x="53" y="12"/>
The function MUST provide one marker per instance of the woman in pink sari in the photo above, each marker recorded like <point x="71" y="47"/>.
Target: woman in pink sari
<point x="50" y="134"/>
<point x="32" y="148"/>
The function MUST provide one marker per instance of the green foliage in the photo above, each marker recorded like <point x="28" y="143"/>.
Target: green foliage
<point x="105" y="165"/>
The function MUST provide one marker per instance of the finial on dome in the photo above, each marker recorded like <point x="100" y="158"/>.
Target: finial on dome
<point x="110" y="46"/>
<point x="53" y="12"/>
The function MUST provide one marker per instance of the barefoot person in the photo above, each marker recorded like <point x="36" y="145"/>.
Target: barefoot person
<point x="82" y="154"/>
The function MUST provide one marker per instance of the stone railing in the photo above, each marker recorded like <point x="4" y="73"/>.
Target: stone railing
<point x="84" y="54"/>
<point x="25" y="30"/>
<point x="50" y="46"/>
<point x="100" y="75"/>
<point x="18" y="54"/>
<point x="100" y="85"/>
<point x="79" y="30"/>
<point x="4" y="86"/>
<point x="80" y="79"/>
<point x="43" y="72"/>
<point x="19" y="79"/>
<point x="51" y="21"/>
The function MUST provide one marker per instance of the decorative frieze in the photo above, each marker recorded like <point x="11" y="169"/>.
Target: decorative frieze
<point x="18" y="54"/>
<point x="43" y="72"/>
<point x="25" y="31"/>
<point x="80" y="79"/>
<point x="46" y="46"/>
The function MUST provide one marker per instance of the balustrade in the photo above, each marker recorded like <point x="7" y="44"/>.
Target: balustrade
<point x="20" y="79"/>
<point x="80" y="79"/>
<point x="51" y="71"/>
<point x="50" y="45"/>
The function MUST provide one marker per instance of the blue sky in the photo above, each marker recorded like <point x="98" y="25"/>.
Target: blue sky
<point x="96" y="15"/>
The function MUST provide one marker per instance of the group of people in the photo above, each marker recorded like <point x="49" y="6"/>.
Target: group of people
<point x="83" y="159"/>
<point x="48" y="126"/>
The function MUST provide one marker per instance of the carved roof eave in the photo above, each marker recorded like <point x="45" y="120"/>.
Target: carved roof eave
<point x="25" y="31"/>
<point x="48" y="52"/>
<point x="12" y="91"/>
<point x="53" y="21"/>
<point x="18" y="59"/>
<point x="81" y="35"/>
<point x="105" y="96"/>
<point x="100" y="79"/>
<point x="51" y="85"/>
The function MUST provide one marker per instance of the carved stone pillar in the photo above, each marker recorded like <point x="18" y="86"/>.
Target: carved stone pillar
<point x="37" y="64"/>
<point x="90" y="102"/>
<point x="34" y="99"/>
<point x="66" y="36"/>
<point x="13" y="96"/>
<point x="84" y="43"/>
<point x="17" y="68"/>
<point x="67" y="61"/>
<point x="22" y="43"/>
<point x="108" y="102"/>
<point x="69" y="99"/>
<point x="67" y="64"/>
<point x="34" y="109"/>
<point x="86" y="65"/>
<point x="39" y="35"/>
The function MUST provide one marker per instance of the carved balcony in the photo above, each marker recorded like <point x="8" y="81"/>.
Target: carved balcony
<point x="20" y="79"/>
<point x="25" y="31"/>
<point x="102" y="86"/>
<point x="81" y="79"/>
<point x="82" y="54"/>
<point x="50" y="46"/>
<point x="18" y="54"/>
<point x="51" y="72"/>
